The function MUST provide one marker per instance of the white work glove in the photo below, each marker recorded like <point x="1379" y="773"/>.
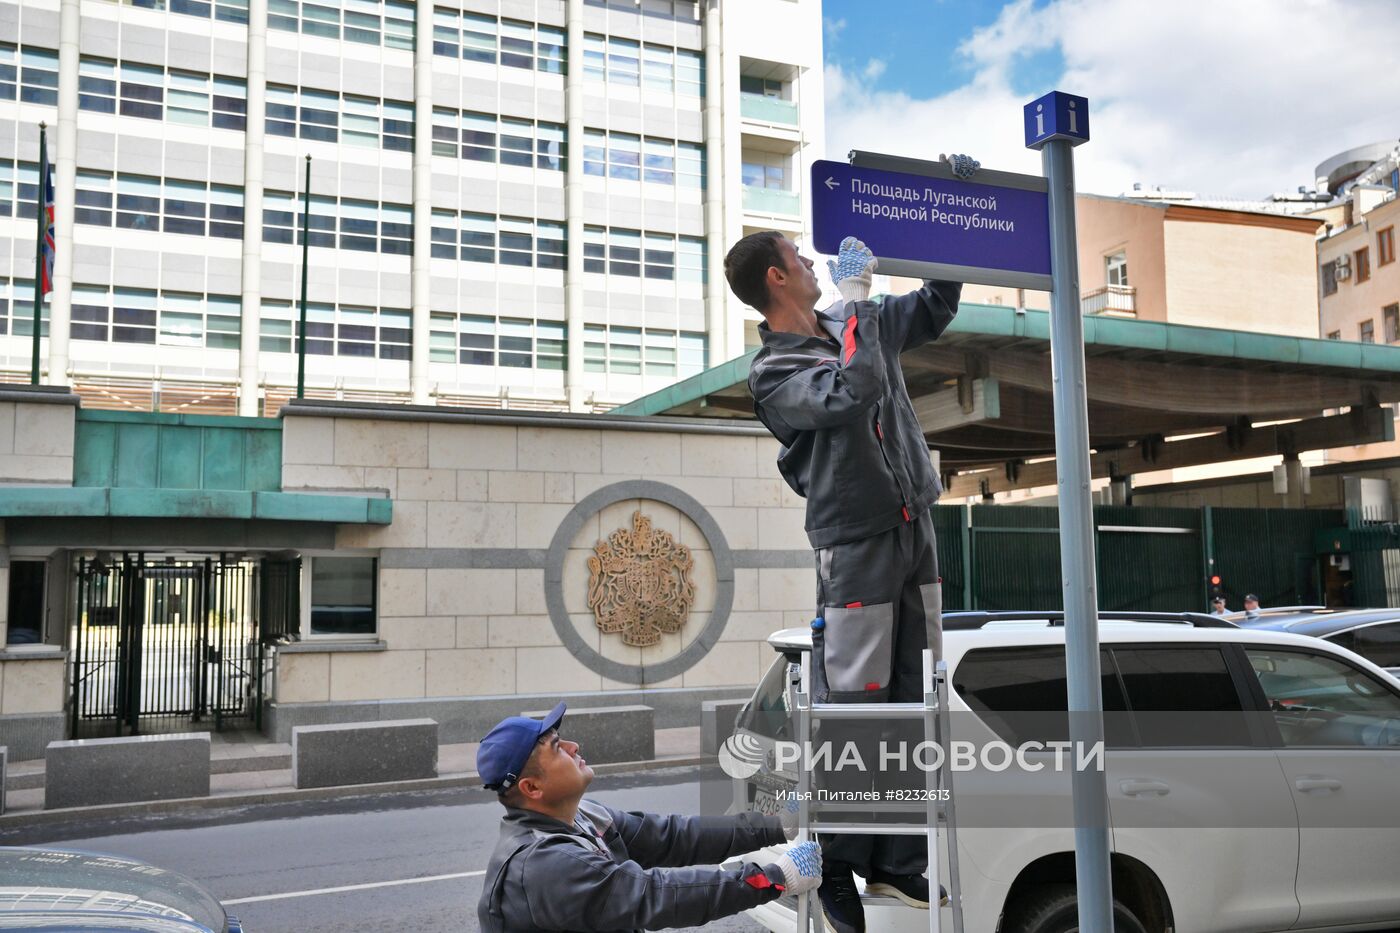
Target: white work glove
<point x="789" y="820"/>
<point x="801" y="866"/>
<point x="852" y="269"/>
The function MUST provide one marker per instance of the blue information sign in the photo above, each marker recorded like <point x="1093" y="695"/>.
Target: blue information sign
<point x="1057" y="115"/>
<point x="936" y="226"/>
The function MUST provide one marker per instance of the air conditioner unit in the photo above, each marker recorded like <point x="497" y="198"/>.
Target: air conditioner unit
<point x="1343" y="268"/>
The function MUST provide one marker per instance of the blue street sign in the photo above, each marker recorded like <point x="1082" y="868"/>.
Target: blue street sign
<point x="1057" y="116"/>
<point x="993" y="230"/>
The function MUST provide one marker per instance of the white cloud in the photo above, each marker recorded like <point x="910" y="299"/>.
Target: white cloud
<point x="1231" y="97"/>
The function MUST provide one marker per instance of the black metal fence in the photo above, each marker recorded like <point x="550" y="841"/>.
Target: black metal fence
<point x="165" y="645"/>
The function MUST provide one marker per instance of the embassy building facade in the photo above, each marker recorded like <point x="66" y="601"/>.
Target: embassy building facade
<point x="515" y="203"/>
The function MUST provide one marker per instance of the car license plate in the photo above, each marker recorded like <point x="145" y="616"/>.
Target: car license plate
<point x="765" y="802"/>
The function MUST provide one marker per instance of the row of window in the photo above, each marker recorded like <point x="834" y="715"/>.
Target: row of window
<point x="484" y="340"/>
<point x="229" y="11"/>
<point x="627" y="63"/>
<point x="1366" y="330"/>
<point x="344" y="223"/>
<point x="512" y="43"/>
<point x="1358" y="265"/>
<point x="142" y="315"/>
<point x="140" y="202"/>
<point x="616" y="251"/>
<point x="155" y="93"/>
<point x="390" y="23"/>
<point x="17" y="309"/>
<point x="632" y="351"/>
<point x="634" y="158"/>
<point x="28" y="74"/>
<point x="337" y="330"/>
<point x="346" y="118"/>
<point x="510" y="241"/>
<point x="484" y="137"/>
<point x="687" y="11"/>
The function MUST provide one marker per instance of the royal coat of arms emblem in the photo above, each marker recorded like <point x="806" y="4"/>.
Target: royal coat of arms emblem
<point x="639" y="583"/>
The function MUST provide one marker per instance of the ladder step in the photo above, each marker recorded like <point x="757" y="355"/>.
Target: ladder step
<point x="829" y="711"/>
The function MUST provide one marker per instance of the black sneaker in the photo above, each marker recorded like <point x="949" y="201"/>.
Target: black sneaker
<point x="841" y="900"/>
<point x="911" y="889"/>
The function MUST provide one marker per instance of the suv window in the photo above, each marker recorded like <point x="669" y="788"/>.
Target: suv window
<point x="1379" y="644"/>
<point x="1020" y="694"/>
<point x="1320" y="700"/>
<point x="1182" y="696"/>
<point x="767" y="712"/>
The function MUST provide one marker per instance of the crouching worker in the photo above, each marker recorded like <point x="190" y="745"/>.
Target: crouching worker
<point x="566" y="863"/>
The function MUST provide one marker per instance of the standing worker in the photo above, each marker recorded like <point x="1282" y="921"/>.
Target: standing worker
<point x="829" y="387"/>
<point x="566" y="863"/>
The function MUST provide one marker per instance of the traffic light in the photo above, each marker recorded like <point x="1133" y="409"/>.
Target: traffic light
<point x="1215" y="588"/>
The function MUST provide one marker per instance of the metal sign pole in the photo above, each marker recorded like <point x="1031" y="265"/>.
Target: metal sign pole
<point x="1055" y="124"/>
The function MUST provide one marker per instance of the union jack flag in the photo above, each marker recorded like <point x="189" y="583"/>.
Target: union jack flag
<point x="46" y="243"/>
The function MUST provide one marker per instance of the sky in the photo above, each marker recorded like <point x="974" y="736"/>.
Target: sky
<point x="1226" y="98"/>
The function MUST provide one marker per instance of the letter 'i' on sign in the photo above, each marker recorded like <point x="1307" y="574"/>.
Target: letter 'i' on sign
<point x="1057" y="116"/>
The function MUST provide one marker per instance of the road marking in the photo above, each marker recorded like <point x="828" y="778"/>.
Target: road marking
<point x="353" y="887"/>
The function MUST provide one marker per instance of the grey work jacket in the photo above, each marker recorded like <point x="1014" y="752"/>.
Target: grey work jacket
<point x="614" y="871"/>
<point x="851" y="444"/>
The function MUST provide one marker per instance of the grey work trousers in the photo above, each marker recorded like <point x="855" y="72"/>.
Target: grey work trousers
<point x="881" y="600"/>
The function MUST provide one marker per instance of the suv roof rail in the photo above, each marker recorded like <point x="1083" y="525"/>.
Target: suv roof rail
<point x="1275" y="609"/>
<point x="974" y="619"/>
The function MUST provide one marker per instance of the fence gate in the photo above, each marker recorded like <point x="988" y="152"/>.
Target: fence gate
<point x="167" y="645"/>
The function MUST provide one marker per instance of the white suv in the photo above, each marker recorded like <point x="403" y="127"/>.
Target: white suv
<point x="1309" y="734"/>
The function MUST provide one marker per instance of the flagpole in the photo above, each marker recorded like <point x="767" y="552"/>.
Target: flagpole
<point x="40" y="216"/>
<point x="305" y="258"/>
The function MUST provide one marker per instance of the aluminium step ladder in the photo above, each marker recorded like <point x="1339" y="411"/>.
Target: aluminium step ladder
<point x="933" y="713"/>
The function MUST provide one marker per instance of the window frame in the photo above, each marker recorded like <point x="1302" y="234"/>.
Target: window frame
<point x="1385" y="246"/>
<point x="1366" y="330"/>
<point x="1362" y="260"/>
<point x="1260" y="699"/>
<point x="42" y="644"/>
<point x="308" y="559"/>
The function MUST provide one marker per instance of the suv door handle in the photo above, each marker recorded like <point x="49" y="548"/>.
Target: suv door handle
<point x="1136" y="787"/>
<point x="1309" y="784"/>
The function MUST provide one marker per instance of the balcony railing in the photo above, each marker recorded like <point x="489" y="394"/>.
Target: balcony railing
<point x="768" y="109"/>
<point x="1111" y="299"/>
<point x="771" y="201"/>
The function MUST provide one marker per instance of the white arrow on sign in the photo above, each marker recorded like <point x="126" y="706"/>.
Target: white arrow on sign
<point x="831" y="184"/>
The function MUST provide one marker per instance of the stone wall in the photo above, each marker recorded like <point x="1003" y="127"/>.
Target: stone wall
<point x="484" y="577"/>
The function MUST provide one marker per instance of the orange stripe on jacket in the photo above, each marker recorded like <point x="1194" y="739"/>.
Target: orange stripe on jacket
<point x="850" y="336"/>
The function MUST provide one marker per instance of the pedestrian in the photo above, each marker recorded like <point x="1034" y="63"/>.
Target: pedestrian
<point x="828" y="385"/>
<point x="564" y="862"/>
<point x="1251" y="607"/>
<point x="1217" y="606"/>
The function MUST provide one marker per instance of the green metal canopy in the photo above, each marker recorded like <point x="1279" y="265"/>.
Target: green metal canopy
<point x="1160" y="396"/>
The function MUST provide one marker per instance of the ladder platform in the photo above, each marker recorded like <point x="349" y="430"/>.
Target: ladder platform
<point x="910" y="711"/>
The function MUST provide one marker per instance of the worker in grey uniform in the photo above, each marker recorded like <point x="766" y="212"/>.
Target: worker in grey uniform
<point x="829" y="387"/>
<point x="566" y="863"/>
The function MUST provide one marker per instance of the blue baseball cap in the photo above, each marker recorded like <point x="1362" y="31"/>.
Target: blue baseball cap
<point x="507" y="747"/>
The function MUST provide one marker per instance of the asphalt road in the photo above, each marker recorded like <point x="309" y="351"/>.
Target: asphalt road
<point x="407" y="862"/>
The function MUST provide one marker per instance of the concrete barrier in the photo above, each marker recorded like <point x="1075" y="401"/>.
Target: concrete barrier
<point x="717" y="722"/>
<point x="89" y="772"/>
<point x="608" y="734"/>
<point x="364" y="752"/>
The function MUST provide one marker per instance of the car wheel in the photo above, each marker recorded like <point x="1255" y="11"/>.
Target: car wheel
<point x="1054" y="908"/>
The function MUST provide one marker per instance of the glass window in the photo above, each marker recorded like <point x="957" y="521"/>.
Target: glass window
<point x="91" y="313"/>
<point x="396" y="229"/>
<point x="477" y="339"/>
<point x="660" y="161"/>
<point x="26" y="602"/>
<point x="517" y="342"/>
<point x="660" y="257"/>
<point x="1391" y="314"/>
<point x="138" y="203"/>
<point x="595" y="58"/>
<point x="551" y="245"/>
<point x="222" y="325"/>
<point x="1182" y="696"/>
<point x="181" y="320"/>
<point x="692" y="354"/>
<point x="479" y="38"/>
<point x="595" y="348"/>
<point x="624" y="156"/>
<point x="93" y="199"/>
<point x="1363" y="264"/>
<point x="142" y="90"/>
<point x="444" y="235"/>
<point x="595" y="249"/>
<point x="320" y="115"/>
<point x="445" y="132"/>
<point x="478" y="137"/>
<point x="625" y="350"/>
<point x="478" y="238"/>
<point x="550" y="50"/>
<point x="281" y="110"/>
<point x="97" y="85"/>
<point x="395" y="334"/>
<point x="624" y="66"/>
<point x="516" y="241"/>
<point x="551" y="345"/>
<point x="1366" y="331"/>
<point x="625" y="252"/>
<point x="133" y="315"/>
<point x="517" y="142"/>
<point x="230" y="103"/>
<point x="659" y="352"/>
<point x="360" y="121"/>
<point x="343" y="595"/>
<point x="359" y="225"/>
<point x="1319" y="700"/>
<point x="690" y="74"/>
<point x="187" y="99"/>
<point x="9" y="72"/>
<point x="38" y="77"/>
<point x="690" y="165"/>
<point x="399" y="23"/>
<point x="398" y="126"/>
<point x="447" y="32"/>
<point x="226" y="211"/>
<point x="517" y="44"/>
<point x="185" y="207"/>
<point x="1379" y="643"/>
<point x="658" y="68"/>
<point x="595" y="152"/>
<point x="1020" y="693"/>
<point x="1116" y="269"/>
<point x="442" y="338"/>
<point x="691" y="267"/>
<point x="1385" y="246"/>
<point x="551" y="147"/>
